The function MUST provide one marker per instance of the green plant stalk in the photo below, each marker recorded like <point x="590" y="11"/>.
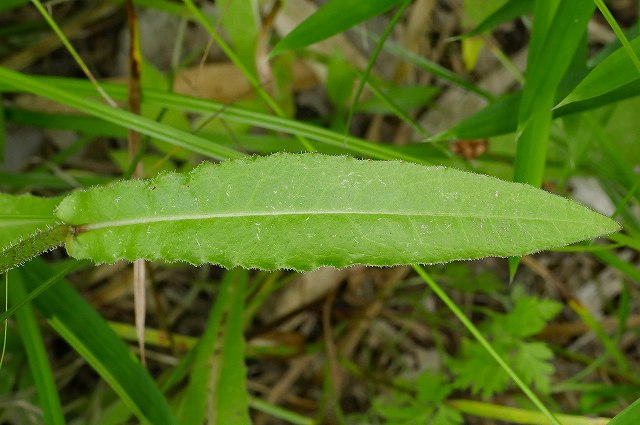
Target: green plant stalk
<point x="487" y="346"/>
<point x="611" y="259"/>
<point x="67" y="91"/>
<point x="42" y="287"/>
<point x="517" y="416"/>
<point x="73" y="52"/>
<point x="619" y="33"/>
<point x="280" y="413"/>
<point x="118" y="116"/>
<point x="596" y="327"/>
<point x="42" y="241"/>
<point x="238" y="63"/>
<point x="365" y="76"/>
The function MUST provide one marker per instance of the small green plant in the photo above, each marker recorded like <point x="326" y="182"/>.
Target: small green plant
<point x="509" y="333"/>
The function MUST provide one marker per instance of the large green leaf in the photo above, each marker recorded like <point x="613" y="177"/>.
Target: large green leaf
<point x="306" y="211"/>
<point x="331" y="19"/>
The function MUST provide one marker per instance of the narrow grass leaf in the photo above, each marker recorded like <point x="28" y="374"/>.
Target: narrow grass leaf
<point x="615" y="71"/>
<point x="217" y="392"/>
<point x="507" y="12"/>
<point x="241" y="21"/>
<point x="544" y="73"/>
<point x="263" y="213"/>
<point x="500" y="117"/>
<point x="74" y="88"/>
<point x="433" y="68"/>
<point x="562" y="24"/>
<point x="134" y="122"/>
<point x="609" y="344"/>
<point x="331" y="19"/>
<point x="84" y="330"/>
<point x="41" y="372"/>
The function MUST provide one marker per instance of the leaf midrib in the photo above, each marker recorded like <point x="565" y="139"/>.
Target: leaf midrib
<point x="208" y="216"/>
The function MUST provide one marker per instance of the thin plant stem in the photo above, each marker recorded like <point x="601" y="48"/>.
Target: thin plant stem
<point x="483" y="341"/>
<point x="372" y="61"/>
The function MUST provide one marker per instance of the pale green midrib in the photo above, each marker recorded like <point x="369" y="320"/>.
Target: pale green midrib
<point x="208" y="216"/>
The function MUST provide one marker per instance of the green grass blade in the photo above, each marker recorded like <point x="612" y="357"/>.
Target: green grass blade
<point x="507" y="12"/>
<point x="515" y="415"/>
<point x="615" y="71"/>
<point x="217" y="386"/>
<point x="619" y="33"/>
<point x="433" y="68"/>
<point x="48" y="399"/>
<point x="500" y="117"/>
<point x="331" y="19"/>
<point x="78" y="323"/>
<point x="544" y="73"/>
<point x="372" y="60"/>
<point x="251" y="213"/>
<point x="561" y="25"/>
<point x="596" y="327"/>
<point x="191" y="104"/>
<point x="132" y="121"/>
<point x="251" y="78"/>
<point x="240" y="19"/>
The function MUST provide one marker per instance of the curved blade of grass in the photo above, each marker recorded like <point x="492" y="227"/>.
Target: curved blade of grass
<point x="561" y="24"/>
<point x="72" y="51"/>
<point x="615" y="71"/>
<point x="510" y="10"/>
<point x="500" y="117"/>
<point x="251" y="78"/>
<point x="433" y="68"/>
<point x="241" y="20"/>
<point x="144" y="125"/>
<point x="331" y="19"/>
<point x="372" y="60"/>
<point x="262" y="213"/>
<point x="78" y="323"/>
<point x="544" y="73"/>
<point x="217" y="391"/>
<point x="48" y="399"/>
<point x="50" y="87"/>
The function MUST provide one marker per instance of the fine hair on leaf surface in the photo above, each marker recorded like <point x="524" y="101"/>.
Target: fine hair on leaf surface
<point x="305" y="211"/>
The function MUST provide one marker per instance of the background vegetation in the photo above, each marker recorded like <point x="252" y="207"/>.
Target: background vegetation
<point x="542" y="92"/>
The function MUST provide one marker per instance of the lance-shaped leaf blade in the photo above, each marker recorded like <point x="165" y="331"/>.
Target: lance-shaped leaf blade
<point x="306" y="211"/>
